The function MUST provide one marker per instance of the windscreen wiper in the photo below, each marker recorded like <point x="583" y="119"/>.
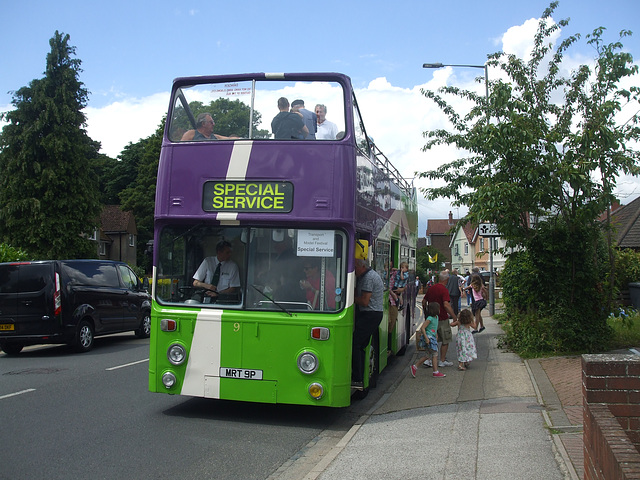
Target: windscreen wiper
<point x="272" y="301"/>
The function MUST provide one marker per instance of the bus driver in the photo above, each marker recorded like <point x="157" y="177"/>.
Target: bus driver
<point x="219" y="275"/>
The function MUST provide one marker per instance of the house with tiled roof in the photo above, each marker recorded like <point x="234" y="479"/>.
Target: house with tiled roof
<point x="469" y="249"/>
<point x="439" y="233"/>
<point x="626" y="223"/>
<point x="118" y="235"/>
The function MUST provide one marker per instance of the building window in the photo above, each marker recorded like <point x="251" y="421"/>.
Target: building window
<point x="94" y="235"/>
<point x="132" y="240"/>
<point x="466" y="248"/>
<point x="456" y="249"/>
<point x="482" y="244"/>
<point x="102" y="251"/>
<point x="428" y="241"/>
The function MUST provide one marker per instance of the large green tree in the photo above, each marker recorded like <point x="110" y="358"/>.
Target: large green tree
<point x="48" y="190"/>
<point x="139" y="195"/>
<point x="543" y="154"/>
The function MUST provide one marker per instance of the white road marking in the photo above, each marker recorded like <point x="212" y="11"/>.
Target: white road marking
<point x="127" y="365"/>
<point x="17" y="393"/>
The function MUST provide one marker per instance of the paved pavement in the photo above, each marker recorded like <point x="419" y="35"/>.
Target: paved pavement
<point x="501" y="418"/>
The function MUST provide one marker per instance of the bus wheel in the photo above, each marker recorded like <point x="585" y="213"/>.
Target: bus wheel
<point x="373" y="361"/>
<point x="84" y="337"/>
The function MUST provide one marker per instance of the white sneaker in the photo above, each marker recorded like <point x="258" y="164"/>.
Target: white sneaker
<point x="445" y="364"/>
<point x="427" y="363"/>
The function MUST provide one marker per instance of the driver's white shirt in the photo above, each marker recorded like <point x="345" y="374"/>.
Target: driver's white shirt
<point x="229" y="273"/>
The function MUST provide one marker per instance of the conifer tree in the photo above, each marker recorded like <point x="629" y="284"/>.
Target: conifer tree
<point x="49" y="200"/>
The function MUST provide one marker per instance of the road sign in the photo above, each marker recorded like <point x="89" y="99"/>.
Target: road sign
<point x="488" y="230"/>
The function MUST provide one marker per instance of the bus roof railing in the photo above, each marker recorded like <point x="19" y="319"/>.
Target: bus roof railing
<point x="392" y="172"/>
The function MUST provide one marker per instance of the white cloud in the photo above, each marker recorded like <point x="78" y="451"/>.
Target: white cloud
<point x="517" y="40"/>
<point x="125" y="121"/>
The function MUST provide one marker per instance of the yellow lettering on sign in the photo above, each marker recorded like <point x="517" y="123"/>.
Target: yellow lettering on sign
<point x="268" y="190"/>
<point x="249" y="196"/>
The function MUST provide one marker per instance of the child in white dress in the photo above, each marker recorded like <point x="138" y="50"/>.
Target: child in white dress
<point x="465" y="343"/>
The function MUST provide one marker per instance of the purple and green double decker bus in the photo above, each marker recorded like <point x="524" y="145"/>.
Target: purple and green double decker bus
<point x="283" y="198"/>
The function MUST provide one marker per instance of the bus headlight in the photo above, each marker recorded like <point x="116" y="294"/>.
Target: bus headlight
<point x="168" y="380"/>
<point x="316" y="391"/>
<point x="307" y="362"/>
<point x="176" y="354"/>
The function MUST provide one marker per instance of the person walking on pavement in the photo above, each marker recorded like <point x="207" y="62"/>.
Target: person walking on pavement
<point x="369" y="308"/>
<point x="428" y="339"/>
<point x="480" y="294"/>
<point x="465" y="343"/>
<point x="453" y="285"/>
<point x="439" y="293"/>
<point x="467" y="282"/>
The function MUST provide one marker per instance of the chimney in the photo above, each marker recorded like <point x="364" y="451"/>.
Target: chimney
<point x="450" y="218"/>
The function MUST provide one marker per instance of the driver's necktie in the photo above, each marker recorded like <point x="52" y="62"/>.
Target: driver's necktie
<point x="216" y="276"/>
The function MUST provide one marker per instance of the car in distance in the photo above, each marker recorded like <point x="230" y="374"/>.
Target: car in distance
<point x="69" y="301"/>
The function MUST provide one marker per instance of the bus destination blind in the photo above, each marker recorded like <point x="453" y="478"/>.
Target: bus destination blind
<point x="264" y="197"/>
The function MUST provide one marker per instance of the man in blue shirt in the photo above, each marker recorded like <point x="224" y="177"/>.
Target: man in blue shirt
<point x="310" y="119"/>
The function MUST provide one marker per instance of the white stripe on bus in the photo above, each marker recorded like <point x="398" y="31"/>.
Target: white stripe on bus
<point x="238" y="165"/>
<point x="239" y="160"/>
<point x="204" y="356"/>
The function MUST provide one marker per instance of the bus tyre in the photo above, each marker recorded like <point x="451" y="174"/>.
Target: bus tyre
<point x="84" y="337"/>
<point x="145" y="326"/>
<point x="11" y="348"/>
<point x="374" y="368"/>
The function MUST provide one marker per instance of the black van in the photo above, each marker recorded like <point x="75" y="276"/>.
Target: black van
<point x="69" y="301"/>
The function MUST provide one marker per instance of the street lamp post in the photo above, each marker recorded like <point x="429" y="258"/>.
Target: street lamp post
<point x="492" y="308"/>
<point x="486" y="74"/>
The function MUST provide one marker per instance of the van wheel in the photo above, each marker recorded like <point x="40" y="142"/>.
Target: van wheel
<point x="11" y="348"/>
<point x="145" y="326"/>
<point x="84" y="337"/>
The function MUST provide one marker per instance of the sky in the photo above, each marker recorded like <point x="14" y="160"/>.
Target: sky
<point x="132" y="50"/>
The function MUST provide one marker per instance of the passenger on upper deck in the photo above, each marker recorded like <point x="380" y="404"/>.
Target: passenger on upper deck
<point x="326" y="130"/>
<point x="204" y="130"/>
<point x="309" y="118"/>
<point x="287" y="125"/>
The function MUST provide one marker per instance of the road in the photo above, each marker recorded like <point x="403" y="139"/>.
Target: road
<point x="69" y="416"/>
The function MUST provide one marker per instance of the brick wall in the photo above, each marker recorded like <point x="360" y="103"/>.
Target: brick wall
<point x="611" y="399"/>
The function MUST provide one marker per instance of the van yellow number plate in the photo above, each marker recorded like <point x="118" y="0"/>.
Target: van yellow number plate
<point x="7" y="326"/>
